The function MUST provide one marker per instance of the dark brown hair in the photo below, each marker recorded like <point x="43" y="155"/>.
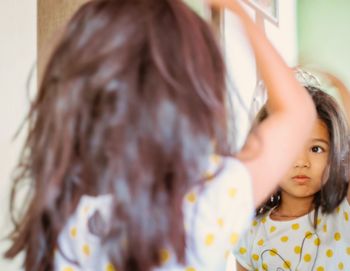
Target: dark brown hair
<point x="131" y="103"/>
<point x="334" y="189"/>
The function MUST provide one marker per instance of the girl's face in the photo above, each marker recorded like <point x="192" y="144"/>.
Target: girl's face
<point x="306" y="176"/>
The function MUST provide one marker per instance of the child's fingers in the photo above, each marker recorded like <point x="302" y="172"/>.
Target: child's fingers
<point x="233" y="5"/>
<point x="221" y="3"/>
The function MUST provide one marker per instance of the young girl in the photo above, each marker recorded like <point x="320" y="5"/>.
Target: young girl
<point x="127" y="149"/>
<point x="305" y="224"/>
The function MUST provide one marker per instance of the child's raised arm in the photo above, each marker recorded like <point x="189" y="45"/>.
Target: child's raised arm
<point x="271" y="149"/>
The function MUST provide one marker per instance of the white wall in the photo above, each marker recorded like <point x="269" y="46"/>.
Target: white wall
<point x="240" y="59"/>
<point x="17" y="57"/>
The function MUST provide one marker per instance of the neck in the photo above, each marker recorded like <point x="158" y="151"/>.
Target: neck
<point x="293" y="207"/>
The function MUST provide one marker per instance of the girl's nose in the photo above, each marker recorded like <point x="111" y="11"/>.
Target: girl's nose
<point x="302" y="162"/>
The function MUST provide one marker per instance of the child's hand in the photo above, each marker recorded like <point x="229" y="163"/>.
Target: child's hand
<point x="219" y="3"/>
<point x="232" y="5"/>
<point x="229" y="4"/>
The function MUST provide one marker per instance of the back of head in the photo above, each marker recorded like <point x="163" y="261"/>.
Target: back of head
<point x="130" y="104"/>
<point x="334" y="187"/>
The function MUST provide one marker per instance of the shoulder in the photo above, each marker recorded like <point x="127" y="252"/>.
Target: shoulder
<point x="229" y="170"/>
<point x="217" y="211"/>
<point x="227" y="182"/>
<point x="341" y="214"/>
<point x="235" y="167"/>
<point x="345" y="205"/>
<point x="251" y="238"/>
<point x="234" y="182"/>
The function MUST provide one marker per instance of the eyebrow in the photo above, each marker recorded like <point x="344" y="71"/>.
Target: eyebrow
<point x="320" y="140"/>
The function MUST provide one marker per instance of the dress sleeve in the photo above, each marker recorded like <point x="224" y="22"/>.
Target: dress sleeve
<point x="66" y="254"/>
<point x="343" y="220"/>
<point x="345" y="209"/>
<point x="242" y="252"/>
<point x="216" y="213"/>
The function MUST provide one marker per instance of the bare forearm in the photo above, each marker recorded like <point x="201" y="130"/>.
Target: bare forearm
<point x="291" y="114"/>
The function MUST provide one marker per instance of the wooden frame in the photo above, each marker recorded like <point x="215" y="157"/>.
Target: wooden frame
<point x="268" y="8"/>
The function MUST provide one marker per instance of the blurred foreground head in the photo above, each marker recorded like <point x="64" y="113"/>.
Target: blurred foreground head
<point x="131" y="104"/>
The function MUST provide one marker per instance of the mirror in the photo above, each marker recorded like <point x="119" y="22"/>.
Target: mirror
<point x="309" y="33"/>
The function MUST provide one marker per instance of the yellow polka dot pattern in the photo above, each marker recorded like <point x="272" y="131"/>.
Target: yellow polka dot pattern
<point x="220" y="222"/>
<point x="242" y="250"/>
<point x="191" y="197"/>
<point x="210" y="236"/>
<point x="337" y="236"/>
<point x="287" y="264"/>
<point x="329" y="253"/>
<point x="284" y="239"/>
<point x="208" y="176"/>
<point x="295" y="226"/>
<point x="232" y="192"/>
<point x="234" y="238"/>
<point x="265" y="266"/>
<point x="317" y="242"/>
<point x="86" y="250"/>
<point x="325" y="228"/>
<point x="273" y="252"/>
<point x="272" y="229"/>
<point x="261" y="242"/>
<point x="73" y="232"/>
<point x="307" y="258"/>
<point x="164" y="256"/>
<point x="255" y="257"/>
<point x="297" y="249"/>
<point x="308" y="234"/>
<point x="110" y="267"/>
<point x="209" y="239"/>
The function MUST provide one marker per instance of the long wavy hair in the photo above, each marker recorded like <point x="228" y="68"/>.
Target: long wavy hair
<point x="131" y="103"/>
<point x="335" y="184"/>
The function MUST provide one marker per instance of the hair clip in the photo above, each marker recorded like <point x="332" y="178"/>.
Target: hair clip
<point x="307" y="79"/>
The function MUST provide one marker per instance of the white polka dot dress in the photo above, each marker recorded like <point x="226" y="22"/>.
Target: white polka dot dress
<point x="296" y="245"/>
<point x="215" y="214"/>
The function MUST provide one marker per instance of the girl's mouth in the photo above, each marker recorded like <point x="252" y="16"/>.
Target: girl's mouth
<point x="301" y="179"/>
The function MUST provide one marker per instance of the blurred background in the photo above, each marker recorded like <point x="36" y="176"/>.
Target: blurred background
<point x="313" y="33"/>
<point x="17" y="58"/>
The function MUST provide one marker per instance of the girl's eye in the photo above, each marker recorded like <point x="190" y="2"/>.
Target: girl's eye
<point x="317" y="149"/>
